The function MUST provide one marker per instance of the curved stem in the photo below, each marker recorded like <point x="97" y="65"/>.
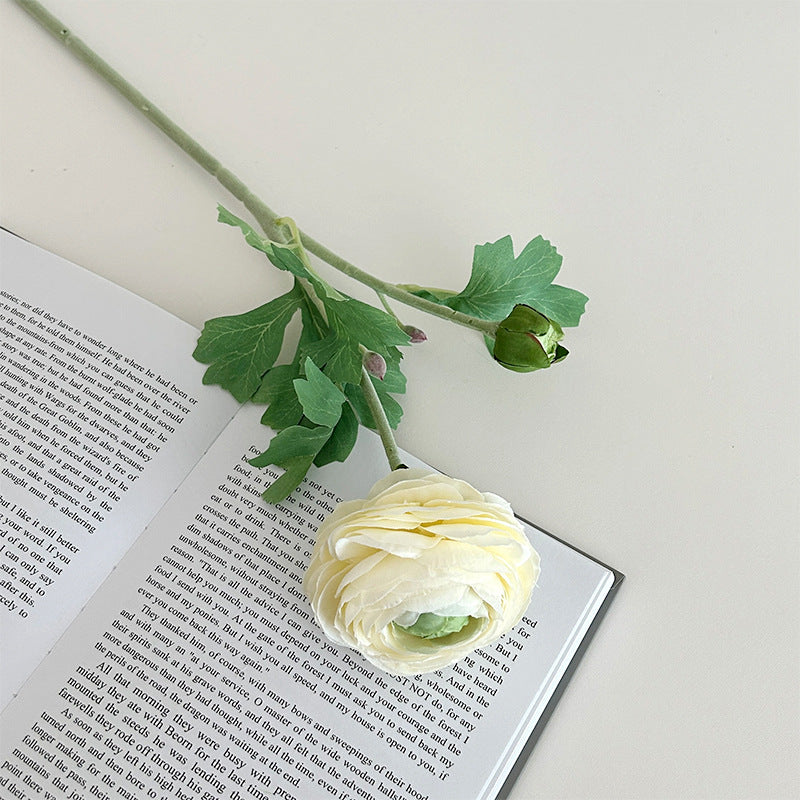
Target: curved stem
<point x="381" y="422"/>
<point x="264" y="215"/>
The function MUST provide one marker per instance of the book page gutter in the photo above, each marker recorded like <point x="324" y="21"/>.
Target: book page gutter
<point x="197" y="669"/>
<point x="99" y="423"/>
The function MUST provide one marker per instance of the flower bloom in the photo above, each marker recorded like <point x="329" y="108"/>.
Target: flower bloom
<point x="421" y="572"/>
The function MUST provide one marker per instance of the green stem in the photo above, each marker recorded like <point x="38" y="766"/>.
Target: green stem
<point x="387" y="307"/>
<point x="264" y="215"/>
<point x="382" y="425"/>
<point x="374" y="404"/>
<point x="394" y="291"/>
<point x="371" y="398"/>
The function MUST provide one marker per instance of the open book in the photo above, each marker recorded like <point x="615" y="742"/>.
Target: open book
<point x="155" y="639"/>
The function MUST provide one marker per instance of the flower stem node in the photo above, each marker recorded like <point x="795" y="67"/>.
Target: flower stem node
<point x="527" y="340"/>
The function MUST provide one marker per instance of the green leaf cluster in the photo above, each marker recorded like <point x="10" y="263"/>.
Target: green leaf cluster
<point x="500" y="280"/>
<point x="314" y="402"/>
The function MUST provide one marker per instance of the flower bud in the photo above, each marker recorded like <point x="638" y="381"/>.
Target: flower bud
<point x="375" y="364"/>
<point x="416" y="334"/>
<point x="527" y="340"/>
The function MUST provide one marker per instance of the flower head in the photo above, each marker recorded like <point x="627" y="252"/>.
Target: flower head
<point x="421" y="572"/>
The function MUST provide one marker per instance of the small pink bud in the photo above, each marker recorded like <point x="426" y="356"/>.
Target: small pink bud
<point x="416" y="334"/>
<point x="375" y="364"/>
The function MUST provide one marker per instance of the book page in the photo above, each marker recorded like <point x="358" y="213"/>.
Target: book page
<point x="197" y="669"/>
<point x="102" y="414"/>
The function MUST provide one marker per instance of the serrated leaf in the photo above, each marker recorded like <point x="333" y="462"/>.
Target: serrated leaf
<point x="294" y="449"/>
<point x="251" y="236"/>
<point x="282" y="256"/>
<point x="342" y="440"/>
<point x="561" y="304"/>
<point x="241" y="348"/>
<point x="394" y="381"/>
<point x="376" y="329"/>
<point x="340" y="356"/>
<point x="277" y="389"/>
<point x="275" y="382"/>
<point x="326" y="290"/>
<point x="285" y="258"/>
<point x="499" y="280"/>
<point x="356" y="399"/>
<point x="392" y="409"/>
<point x="292" y="443"/>
<point x="319" y="396"/>
<point x="313" y="328"/>
<point x="281" y="488"/>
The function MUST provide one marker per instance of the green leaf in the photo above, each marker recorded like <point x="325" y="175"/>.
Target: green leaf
<point x="241" y="348"/>
<point x="499" y="280"/>
<point x="294" y="449"/>
<point x="340" y="356"/>
<point x="277" y="389"/>
<point x="313" y="329"/>
<point x="282" y="487"/>
<point x="282" y="256"/>
<point x="427" y="295"/>
<point x="394" y="381"/>
<point x="353" y="323"/>
<point x="292" y="443"/>
<point x="274" y="383"/>
<point x="342" y="440"/>
<point x="393" y="409"/>
<point x="356" y="399"/>
<point x="326" y="290"/>
<point x="252" y="238"/>
<point x="428" y="292"/>
<point x="285" y="258"/>
<point x="376" y="329"/>
<point x="561" y="304"/>
<point x="319" y="396"/>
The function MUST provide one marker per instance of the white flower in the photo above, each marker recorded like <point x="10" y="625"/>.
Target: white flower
<point x="419" y="548"/>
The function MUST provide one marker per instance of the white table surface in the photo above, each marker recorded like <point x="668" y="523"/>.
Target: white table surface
<point x="656" y="145"/>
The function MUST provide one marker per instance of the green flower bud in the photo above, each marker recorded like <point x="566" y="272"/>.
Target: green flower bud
<point x="527" y="340"/>
<point x="433" y="626"/>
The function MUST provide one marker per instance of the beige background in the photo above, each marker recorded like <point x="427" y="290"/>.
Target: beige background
<point x="656" y="145"/>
